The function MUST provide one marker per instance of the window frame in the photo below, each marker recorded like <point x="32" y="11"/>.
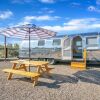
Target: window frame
<point x="66" y="41"/>
<point x="56" y="42"/>
<point x="39" y="41"/>
<point x="79" y="45"/>
<point x="91" y="45"/>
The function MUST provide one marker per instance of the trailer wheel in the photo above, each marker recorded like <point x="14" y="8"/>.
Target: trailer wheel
<point x="51" y="61"/>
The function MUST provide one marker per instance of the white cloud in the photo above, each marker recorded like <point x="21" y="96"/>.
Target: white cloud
<point x="95" y="26"/>
<point x="81" y="21"/>
<point x="29" y="19"/>
<point x="46" y="11"/>
<point x="61" y="28"/>
<point x="50" y="11"/>
<point x="76" y="25"/>
<point x="47" y="1"/>
<point x="75" y="4"/>
<point x="5" y="14"/>
<point x="93" y="9"/>
<point x="41" y="18"/>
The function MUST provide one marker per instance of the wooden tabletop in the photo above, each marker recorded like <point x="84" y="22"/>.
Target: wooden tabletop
<point x="34" y="63"/>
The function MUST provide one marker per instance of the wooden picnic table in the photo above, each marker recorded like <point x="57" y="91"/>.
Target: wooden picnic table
<point x="19" y="65"/>
<point x="42" y="66"/>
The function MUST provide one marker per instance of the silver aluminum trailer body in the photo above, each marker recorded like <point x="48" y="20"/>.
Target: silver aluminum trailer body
<point x="64" y="48"/>
<point x="74" y="45"/>
<point x="48" y="49"/>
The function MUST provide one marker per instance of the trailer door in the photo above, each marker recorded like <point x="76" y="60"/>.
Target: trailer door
<point x="77" y="47"/>
<point x="66" y="50"/>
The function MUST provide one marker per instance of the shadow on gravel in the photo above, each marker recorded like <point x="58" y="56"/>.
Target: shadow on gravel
<point x="57" y="79"/>
<point x="93" y="65"/>
<point x="25" y="79"/>
<point x="89" y="76"/>
<point x="62" y="63"/>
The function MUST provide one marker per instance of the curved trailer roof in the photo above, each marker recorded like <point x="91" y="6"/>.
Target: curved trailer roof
<point x="78" y="34"/>
<point x="85" y="34"/>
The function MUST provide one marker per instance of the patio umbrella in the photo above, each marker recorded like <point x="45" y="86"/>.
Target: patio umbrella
<point x="27" y="32"/>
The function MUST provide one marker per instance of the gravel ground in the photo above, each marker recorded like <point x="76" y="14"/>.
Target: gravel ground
<point x="65" y="84"/>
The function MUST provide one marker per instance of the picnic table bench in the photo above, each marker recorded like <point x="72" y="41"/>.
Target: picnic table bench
<point x="34" y="75"/>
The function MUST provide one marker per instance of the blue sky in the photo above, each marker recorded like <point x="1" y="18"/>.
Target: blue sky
<point x="62" y="16"/>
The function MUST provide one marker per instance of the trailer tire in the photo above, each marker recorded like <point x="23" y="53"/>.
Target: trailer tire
<point x="51" y="61"/>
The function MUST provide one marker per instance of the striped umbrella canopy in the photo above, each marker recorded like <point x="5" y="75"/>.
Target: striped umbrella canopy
<point x="27" y="32"/>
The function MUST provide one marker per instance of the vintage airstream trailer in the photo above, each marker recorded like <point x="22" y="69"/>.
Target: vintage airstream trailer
<point x="64" y="48"/>
<point x="45" y="49"/>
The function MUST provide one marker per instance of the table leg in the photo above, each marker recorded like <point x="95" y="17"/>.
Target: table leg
<point x="41" y="70"/>
<point x="24" y="67"/>
<point x="10" y="74"/>
<point x="38" y="69"/>
<point x="47" y="70"/>
<point x="35" y="81"/>
<point x="29" y="68"/>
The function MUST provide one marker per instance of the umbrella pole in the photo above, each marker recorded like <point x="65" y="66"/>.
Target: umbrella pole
<point x="29" y="49"/>
<point x="5" y="49"/>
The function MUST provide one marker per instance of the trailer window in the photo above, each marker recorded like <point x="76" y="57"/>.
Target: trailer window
<point x="78" y="43"/>
<point x="41" y="43"/>
<point x="66" y="43"/>
<point x="91" y="41"/>
<point x="56" y="42"/>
